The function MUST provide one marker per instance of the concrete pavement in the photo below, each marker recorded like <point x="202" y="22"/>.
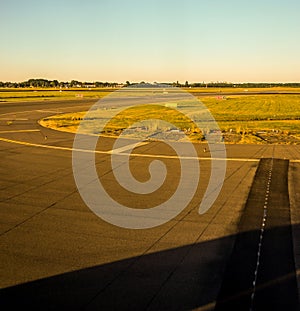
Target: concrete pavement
<point x="56" y="253"/>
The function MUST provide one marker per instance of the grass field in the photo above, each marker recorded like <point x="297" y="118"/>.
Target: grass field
<point x="29" y="94"/>
<point x="11" y="95"/>
<point x="247" y="118"/>
<point x="242" y="119"/>
<point x="256" y="107"/>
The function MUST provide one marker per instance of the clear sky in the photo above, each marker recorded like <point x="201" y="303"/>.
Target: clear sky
<point x="150" y="40"/>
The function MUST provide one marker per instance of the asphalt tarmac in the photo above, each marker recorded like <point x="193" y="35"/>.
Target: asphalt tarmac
<point x="261" y="270"/>
<point x="56" y="253"/>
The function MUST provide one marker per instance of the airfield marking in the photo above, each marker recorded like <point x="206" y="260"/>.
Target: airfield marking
<point x="260" y="273"/>
<point x="51" y="111"/>
<point x="16" y="119"/>
<point x="127" y="147"/>
<point x="17" y="112"/>
<point x="132" y="154"/>
<point x="19" y="131"/>
<point x="38" y="110"/>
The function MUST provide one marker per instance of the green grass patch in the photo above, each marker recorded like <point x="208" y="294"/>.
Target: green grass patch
<point x="12" y="95"/>
<point x="29" y="94"/>
<point x="254" y="108"/>
<point x="242" y="119"/>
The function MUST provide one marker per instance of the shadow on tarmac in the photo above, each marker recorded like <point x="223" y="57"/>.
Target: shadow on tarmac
<point x="183" y="278"/>
<point x="194" y="276"/>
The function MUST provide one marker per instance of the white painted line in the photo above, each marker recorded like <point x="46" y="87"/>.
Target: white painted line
<point x="19" y="131"/>
<point x="43" y="146"/>
<point x="51" y="111"/>
<point x="68" y="107"/>
<point x="14" y="119"/>
<point x="127" y="147"/>
<point x="34" y="110"/>
<point x="15" y="113"/>
<point x="124" y="154"/>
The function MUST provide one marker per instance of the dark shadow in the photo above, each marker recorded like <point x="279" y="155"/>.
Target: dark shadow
<point x="260" y="273"/>
<point x="183" y="278"/>
<point x="218" y="273"/>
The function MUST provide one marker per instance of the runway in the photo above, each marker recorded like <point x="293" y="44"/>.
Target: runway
<point x="56" y="253"/>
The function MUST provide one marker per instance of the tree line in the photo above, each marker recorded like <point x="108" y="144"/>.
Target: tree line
<point x="238" y="85"/>
<point x="44" y="83"/>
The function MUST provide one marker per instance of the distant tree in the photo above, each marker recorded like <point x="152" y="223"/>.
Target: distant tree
<point x="75" y="83"/>
<point x="63" y="84"/>
<point x="98" y="84"/>
<point x="127" y="83"/>
<point x="54" y="83"/>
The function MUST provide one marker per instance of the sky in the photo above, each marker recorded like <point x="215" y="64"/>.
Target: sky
<point x="150" y="40"/>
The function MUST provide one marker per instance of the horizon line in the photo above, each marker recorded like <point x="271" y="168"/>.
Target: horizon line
<point x="153" y="82"/>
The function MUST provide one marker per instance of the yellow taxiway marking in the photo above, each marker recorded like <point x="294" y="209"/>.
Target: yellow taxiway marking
<point x="19" y="131"/>
<point x="124" y="154"/>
